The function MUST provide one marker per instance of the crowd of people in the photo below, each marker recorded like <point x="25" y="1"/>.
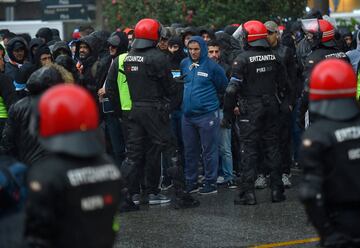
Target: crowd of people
<point x="191" y="108"/>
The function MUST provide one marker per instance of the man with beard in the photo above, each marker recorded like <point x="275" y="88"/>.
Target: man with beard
<point x="88" y="64"/>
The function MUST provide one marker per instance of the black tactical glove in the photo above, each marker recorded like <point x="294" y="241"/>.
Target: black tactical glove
<point x="225" y="123"/>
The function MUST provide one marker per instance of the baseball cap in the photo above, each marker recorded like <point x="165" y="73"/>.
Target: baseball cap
<point x="271" y="26"/>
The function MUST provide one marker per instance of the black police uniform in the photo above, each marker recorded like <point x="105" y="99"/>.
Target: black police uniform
<point x="255" y="79"/>
<point x="316" y="56"/>
<point x="330" y="189"/>
<point x="72" y="202"/>
<point x="288" y="97"/>
<point x="154" y="94"/>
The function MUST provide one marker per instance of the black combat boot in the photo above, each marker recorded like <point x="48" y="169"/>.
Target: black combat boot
<point x="246" y="198"/>
<point x="277" y="195"/>
<point x="185" y="200"/>
<point x="126" y="203"/>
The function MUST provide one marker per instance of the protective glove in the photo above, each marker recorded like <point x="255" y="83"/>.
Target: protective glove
<point x="224" y="123"/>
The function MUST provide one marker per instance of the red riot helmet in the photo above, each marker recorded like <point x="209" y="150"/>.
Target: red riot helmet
<point x="68" y="121"/>
<point x="147" y="33"/>
<point x="322" y="30"/>
<point x="327" y="31"/>
<point x="254" y="33"/>
<point x="332" y="91"/>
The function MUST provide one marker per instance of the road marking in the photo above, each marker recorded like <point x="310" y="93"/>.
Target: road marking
<point x="287" y="243"/>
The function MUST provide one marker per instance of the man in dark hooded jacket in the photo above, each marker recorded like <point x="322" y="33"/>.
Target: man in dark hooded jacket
<point x="60" y="48"/>
<point x="41" y="57"/>
<point x="45" y="34"/>
<point x="17" y="51"/>
<point x="88" y="64"/>
<point x="109" y="95"/>
<point x="33" y="46"/>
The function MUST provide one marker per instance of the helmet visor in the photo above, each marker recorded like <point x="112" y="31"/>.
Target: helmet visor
<point x="310" y="25"/>
<point x="239" y="33"/>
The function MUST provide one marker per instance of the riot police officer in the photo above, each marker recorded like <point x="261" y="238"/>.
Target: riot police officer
<point x="154" y="93"/>
<point x="73" y="192"/>
<point x="257" y="73"/>
<point x="330" y="155"/>
<point x="323" y="47"/>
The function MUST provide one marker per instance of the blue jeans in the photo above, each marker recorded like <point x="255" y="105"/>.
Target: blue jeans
<point x="226" y="167"/>
<point x="201" y="133"/>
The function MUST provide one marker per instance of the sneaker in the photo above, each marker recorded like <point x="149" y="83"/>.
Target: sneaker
<point x="140" y="199"/>
<point x="165" y="185"/>
<point x="220" y="180"/>
<point x="136" y="199"/>
<point x="158" y="199"/>
<point x="128" y="205"/>
<point x="286" y="180"/>
<point x="185" y="201"/>
<point x="208" y="189"/>
<point x="260" y="182"/>
<point x="194" y="188"/>
<point x="231" y="184"/>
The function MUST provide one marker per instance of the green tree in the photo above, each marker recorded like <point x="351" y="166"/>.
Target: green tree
<point x="219" y="13"/>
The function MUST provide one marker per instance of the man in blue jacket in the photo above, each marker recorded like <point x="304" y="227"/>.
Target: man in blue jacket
<point x="204" y="80"/>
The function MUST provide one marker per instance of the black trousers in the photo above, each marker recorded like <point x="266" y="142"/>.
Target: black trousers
<point x="259" y="126"/>
<point x="285" y="142"/>
<point x="149" y="134"/>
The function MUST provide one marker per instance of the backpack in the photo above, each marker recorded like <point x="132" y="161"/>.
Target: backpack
<point x="12" y="184"/>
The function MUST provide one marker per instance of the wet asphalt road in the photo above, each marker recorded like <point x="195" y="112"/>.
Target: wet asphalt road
<point x="219" y="223"/>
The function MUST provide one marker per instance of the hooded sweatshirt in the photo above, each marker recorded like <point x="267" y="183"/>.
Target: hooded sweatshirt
<point x="59" y="47"/>
<point x="36" y="42"/>
<point x="204" y="80"/>
<point x="354" y="55"/>
<point x="12" y="67"/>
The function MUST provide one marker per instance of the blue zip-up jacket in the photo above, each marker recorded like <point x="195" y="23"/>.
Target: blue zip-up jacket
<point x="203" y="83"/>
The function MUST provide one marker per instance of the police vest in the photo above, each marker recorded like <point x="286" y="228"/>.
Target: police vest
<point x="3" y="112"/>
<point x="124" y="94"/>
<point x="262" y="69"/>
<point x="144" y="74"/>
<point x="342" y="185"/>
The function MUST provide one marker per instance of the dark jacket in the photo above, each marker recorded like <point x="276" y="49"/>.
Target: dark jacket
<point x="88" y="75"/>
<point x="7" y="91"/>
<point x="176" y="58"/>
<point x="149" y="77"/>
<point x="330" y="186"/>
<point x="287" y="58"/>
<point x="230" y="47"/>
<point x="60" y="46"/>
<point x="17" y="138"/>
<point x="34" y="43"/>
<point x="63" y="213"/>
<point x="12" y="67"/>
